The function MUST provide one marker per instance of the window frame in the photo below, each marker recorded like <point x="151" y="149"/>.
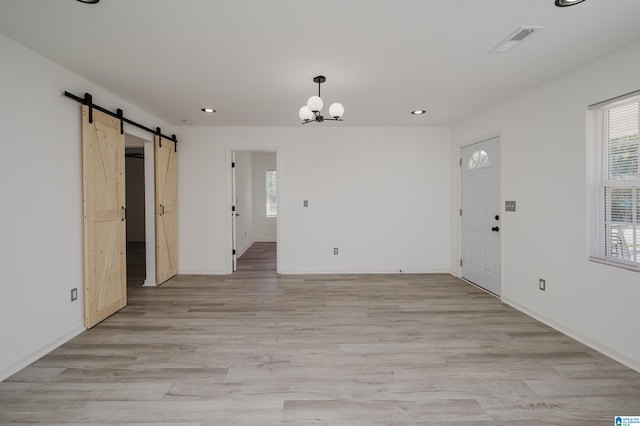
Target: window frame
<point x="601" y="186"/>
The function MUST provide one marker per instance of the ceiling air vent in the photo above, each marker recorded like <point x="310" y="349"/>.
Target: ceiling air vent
<point x="514" y="39"/>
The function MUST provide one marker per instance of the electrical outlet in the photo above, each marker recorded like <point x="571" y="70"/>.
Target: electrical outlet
<point x="510" y="206"/>
<point x="335" y="251"/>
<point x="542" y="284"/>
<point x="74" y="294"/>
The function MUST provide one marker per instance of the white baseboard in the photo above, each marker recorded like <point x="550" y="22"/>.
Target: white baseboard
<point x="242" y="251"/>
<point x="360" y="271"/>
<point x="203" y="272"/>
<point x="611" y="353"/>
<point x="10" y="370"/>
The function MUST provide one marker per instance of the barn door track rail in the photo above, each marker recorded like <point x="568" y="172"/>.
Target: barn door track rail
<point x="88" y="101"/>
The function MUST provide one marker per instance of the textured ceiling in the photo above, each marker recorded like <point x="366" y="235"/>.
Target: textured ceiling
<point x="254" y="60"/>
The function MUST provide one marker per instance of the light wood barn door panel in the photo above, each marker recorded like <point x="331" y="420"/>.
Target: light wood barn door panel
<point x="105" y="264"/>
<point x="166" y="172"/>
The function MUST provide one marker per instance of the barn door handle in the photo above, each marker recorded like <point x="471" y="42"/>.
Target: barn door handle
<point x="123" y="213"/>
<point x="161" y="210"/>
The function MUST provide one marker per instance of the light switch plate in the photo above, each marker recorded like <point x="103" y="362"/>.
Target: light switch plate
<point x="305" y="203"/>
<point x="510" y="206"/>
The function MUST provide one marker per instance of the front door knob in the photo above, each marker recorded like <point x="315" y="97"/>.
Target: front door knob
<point x="495" y="228"/>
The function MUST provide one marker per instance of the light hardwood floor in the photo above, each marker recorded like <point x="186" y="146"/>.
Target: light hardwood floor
<point x="255" y="348"/>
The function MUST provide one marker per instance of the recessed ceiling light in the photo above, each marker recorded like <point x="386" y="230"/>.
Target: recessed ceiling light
<point x="208" y="110"/>
<point x="419" y="112"/>
<point x="187" y="121"/>
<point x="565" y="3"/>
<point x="89" y="1"/>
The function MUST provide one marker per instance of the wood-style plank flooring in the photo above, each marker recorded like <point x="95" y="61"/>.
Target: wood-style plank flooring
<point x="260" y="257"/>
<point x="136" y="263"/>
<point x="255" y="348"/>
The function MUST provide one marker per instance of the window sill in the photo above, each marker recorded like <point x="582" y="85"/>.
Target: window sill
<point x="615" y="264"/>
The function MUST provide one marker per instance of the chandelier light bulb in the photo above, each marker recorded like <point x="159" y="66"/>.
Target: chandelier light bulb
<point x="305" y="113"/>
<point x="311" y="112"/>
<point x="315" y="103"/>
<point x="336" y="110"/>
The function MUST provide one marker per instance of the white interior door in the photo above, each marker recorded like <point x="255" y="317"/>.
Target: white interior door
<point x="234" y="214"/>
<point x="480" y="181"/>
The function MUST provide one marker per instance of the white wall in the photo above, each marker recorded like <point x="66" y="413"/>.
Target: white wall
<point x="542" y="134"/>
<point x="41" y="202"/>
<point x="264" y="228"/>
<point x="378" y="194"/>
<point x="244" y="201"/>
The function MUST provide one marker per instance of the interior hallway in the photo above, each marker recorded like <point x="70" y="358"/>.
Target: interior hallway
<point x="260" y="257"/>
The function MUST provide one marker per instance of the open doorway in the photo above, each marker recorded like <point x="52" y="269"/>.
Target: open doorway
<point x="140" y="201"/>
<point x="254" y="211"/>
<point x="135" y="196"/>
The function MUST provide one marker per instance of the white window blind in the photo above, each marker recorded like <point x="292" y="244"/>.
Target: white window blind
<point x="614" y="181"/>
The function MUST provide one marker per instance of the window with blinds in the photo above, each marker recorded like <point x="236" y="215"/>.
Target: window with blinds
<point x="272" y="194"/>
<point x="614" y="196"/>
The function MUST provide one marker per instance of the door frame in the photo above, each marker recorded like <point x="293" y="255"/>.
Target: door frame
<point x="459" y="164"/>
<point x="229" y="200"/>
<point x="234" y="215"/>
<point x="149" y="201"/>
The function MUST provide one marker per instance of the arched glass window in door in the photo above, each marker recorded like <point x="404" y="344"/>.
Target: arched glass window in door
<point x="478" y="160"/>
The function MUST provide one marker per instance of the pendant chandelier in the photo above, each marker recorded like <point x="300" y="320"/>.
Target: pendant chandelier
<point x="311" y="112"/>
<point x="565" y="3"/>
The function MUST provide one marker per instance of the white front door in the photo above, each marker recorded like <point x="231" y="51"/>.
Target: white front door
<point x="480" y="181"/>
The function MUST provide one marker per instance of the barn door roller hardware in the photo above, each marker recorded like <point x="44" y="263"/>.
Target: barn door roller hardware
<point x="158" y="133"/>
<point x="88" y="101"/>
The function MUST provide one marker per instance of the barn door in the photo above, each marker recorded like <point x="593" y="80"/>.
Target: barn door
<point x="105" y="274"/>
<point x="166" y="209"/>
